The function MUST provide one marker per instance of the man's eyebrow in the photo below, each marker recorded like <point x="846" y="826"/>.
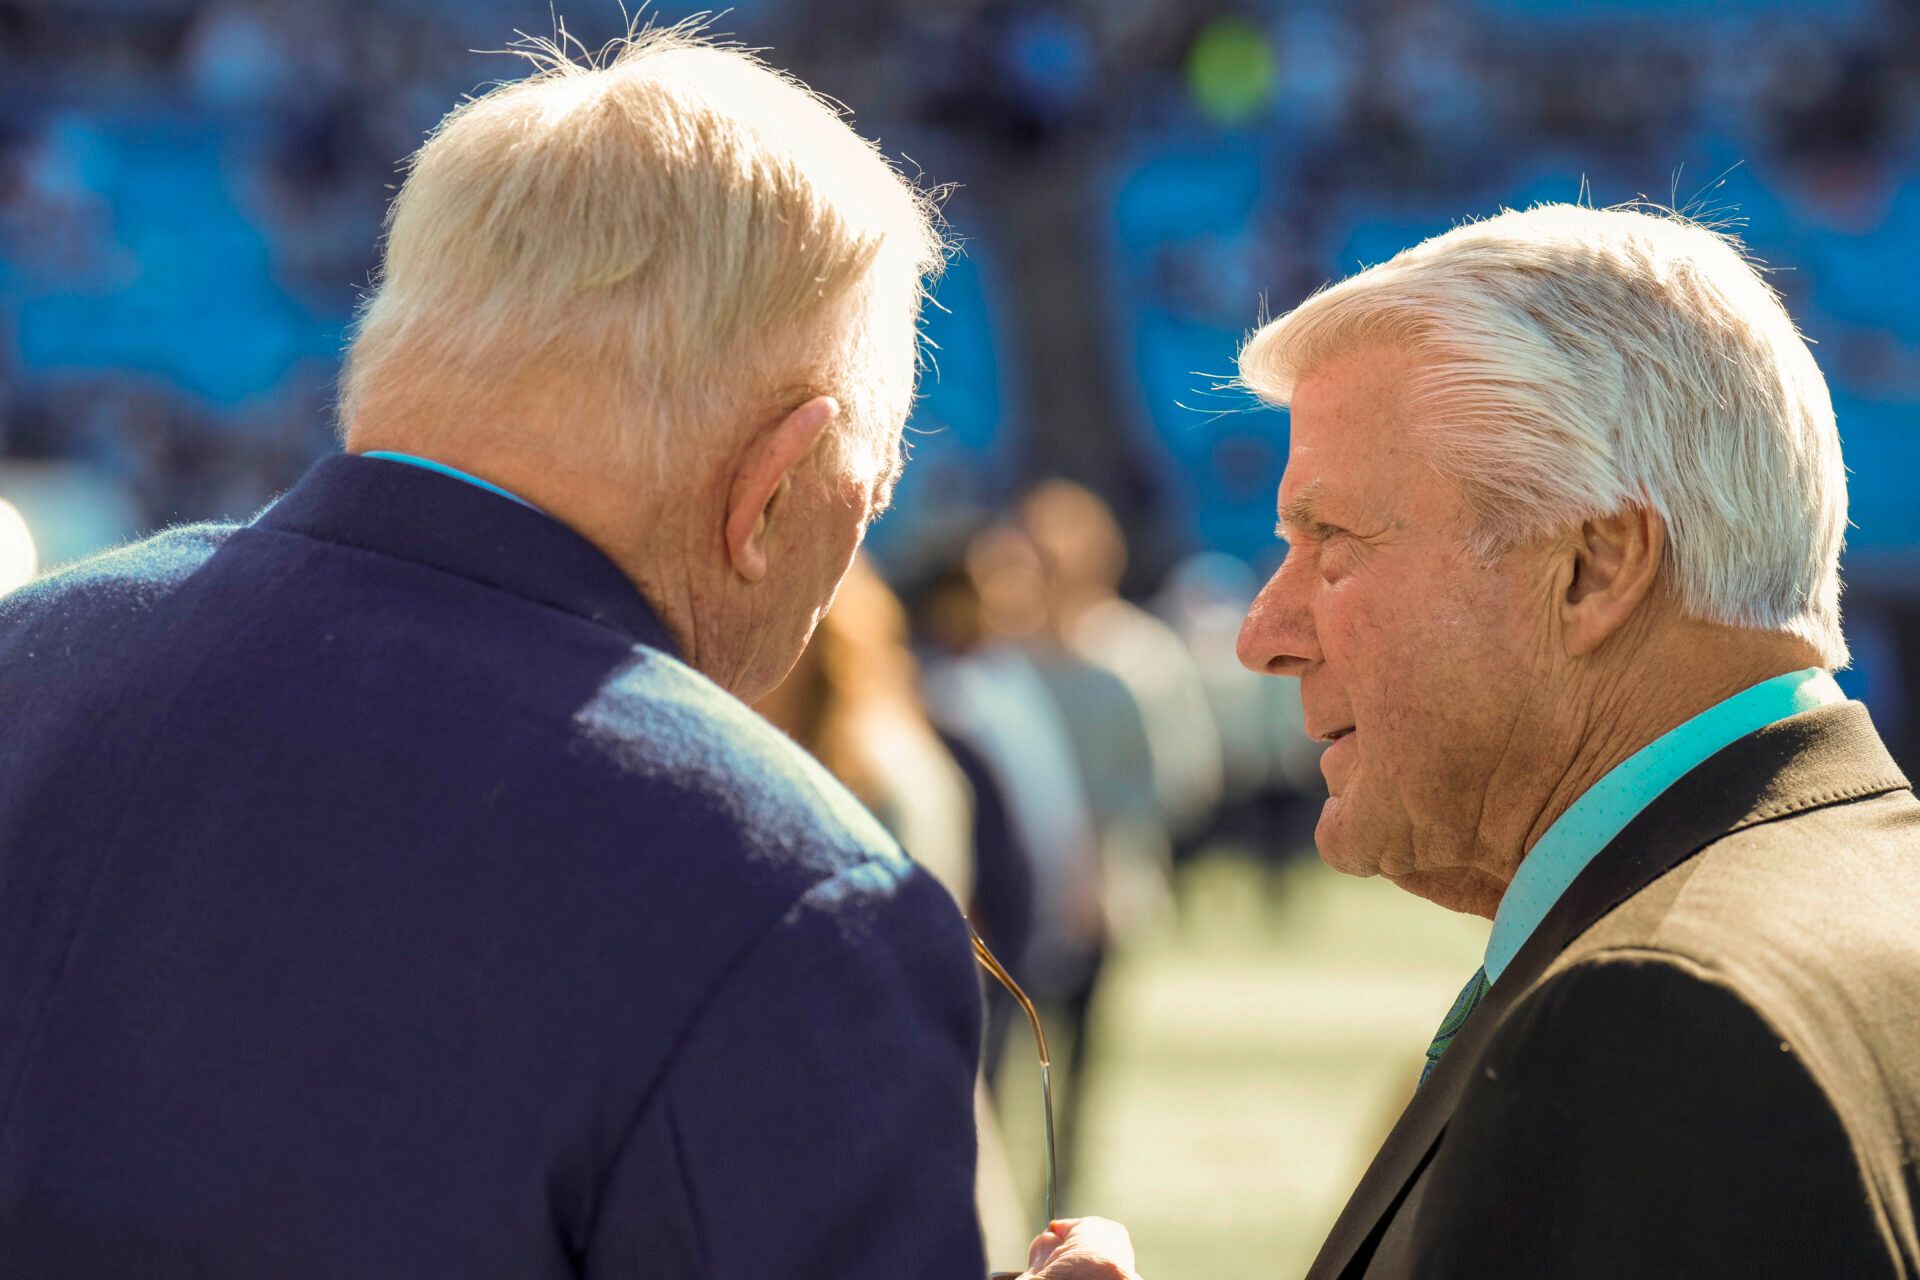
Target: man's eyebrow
<point x="1302" y="510"/>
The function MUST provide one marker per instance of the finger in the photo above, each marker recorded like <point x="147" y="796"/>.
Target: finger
<point x="1095" y="1237"/>
<point x="1043" y="1246"/>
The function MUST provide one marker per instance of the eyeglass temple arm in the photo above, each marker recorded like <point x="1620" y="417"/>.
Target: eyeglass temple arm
<point x="992" y="965"/>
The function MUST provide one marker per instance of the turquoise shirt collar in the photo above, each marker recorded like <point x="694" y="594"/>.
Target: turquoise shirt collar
<point x="1591" y="822"/>
<point x="454" y="472"/>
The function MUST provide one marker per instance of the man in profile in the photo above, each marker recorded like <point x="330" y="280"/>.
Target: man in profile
<point x="1564" y="502"/>
<point x="395" y="885"/>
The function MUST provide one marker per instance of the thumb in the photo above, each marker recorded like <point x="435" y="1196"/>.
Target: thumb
<point x="1043" y="1245"/>
<point x="1085" y="1249"/>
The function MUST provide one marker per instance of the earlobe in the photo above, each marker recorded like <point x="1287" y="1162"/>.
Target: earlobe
<point x="762" y="474"/>
<point x="747" y="547"/>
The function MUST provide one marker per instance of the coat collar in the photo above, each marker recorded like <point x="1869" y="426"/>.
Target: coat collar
<point x="415" y="514"/>
<point x="1822" y="757"/>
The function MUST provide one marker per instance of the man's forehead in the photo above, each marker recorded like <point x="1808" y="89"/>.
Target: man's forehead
<point x="1355" y="453"/>
<point x="1332" y="463"/>
<point x="1357" y="403"/>
<point x="1338" y="485"/>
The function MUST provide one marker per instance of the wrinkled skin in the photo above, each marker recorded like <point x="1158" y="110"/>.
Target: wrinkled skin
<point x="1081" y="1249"/>
<point x="1429" y="664"/>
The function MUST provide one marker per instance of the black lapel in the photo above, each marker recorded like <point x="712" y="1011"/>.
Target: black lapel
<point x="1821" y="757"/>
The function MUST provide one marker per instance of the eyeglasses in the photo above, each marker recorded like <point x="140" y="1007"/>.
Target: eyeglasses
<point x="993" y="966"/>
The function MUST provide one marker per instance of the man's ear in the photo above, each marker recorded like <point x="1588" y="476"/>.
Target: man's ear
<point x="1615" y="565"/>
<point x="761" y="477"/>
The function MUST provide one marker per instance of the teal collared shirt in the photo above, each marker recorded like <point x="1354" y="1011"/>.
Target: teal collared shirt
<point x="454" y="472"/>
<point x="1591" y="822"/>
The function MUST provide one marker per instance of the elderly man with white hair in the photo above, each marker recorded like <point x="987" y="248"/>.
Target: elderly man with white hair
<point x="395" y="884"/>
<point x="1564" y="503"/>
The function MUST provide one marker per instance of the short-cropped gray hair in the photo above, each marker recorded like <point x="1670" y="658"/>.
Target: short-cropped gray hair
<point x="1575" y="361"/>
<point x="655" y="238"/>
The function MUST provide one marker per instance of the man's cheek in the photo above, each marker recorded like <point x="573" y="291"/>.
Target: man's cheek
<point x="1375" y="624"/>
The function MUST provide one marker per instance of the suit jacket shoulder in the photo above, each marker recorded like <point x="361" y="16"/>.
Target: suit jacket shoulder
<point x="1806" y="920"/>
<point x="130" y="576"/>
<point x="657" y="724"/>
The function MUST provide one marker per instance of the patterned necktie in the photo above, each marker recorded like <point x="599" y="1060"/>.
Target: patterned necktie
<point x="1463" y="1006"/>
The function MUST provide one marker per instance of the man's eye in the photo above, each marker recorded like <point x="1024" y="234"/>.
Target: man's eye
<point x="1307" y="533"/>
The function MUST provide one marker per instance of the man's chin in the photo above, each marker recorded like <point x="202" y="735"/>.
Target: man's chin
<point x="1338" y="847"/>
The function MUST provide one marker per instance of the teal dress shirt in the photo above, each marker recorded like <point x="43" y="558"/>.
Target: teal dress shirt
<point x="1591" y="822"/>
<point x="455" y="472"/>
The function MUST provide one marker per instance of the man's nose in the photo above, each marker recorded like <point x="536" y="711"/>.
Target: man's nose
<point x="1277" y="639"/>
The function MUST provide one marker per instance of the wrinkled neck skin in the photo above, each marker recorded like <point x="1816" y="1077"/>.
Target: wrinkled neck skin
<point x="668" y="537"/>
<point x="1586" y="716"/>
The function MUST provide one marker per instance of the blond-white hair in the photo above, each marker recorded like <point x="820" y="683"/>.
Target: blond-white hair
<point x="1574" y="361"/>
<point x="653" y="240"/>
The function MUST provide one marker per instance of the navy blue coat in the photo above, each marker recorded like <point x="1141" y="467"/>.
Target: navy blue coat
<point x="381" y="897"/>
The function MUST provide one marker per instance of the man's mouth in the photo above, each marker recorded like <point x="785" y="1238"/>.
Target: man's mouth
<point x="1336" y="734"/>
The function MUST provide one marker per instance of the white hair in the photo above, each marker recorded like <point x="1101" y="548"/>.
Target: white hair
<point x="1575" y="361"/>
<point x="669" y="234"/>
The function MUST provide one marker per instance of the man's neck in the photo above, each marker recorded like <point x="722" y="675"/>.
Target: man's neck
<point x="1653" y="693"/>
<point x="1643" y="698"/>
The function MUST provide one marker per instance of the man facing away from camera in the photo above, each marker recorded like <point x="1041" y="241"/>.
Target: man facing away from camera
<point x="1564" y="503"/>
<point x="395" y="885"/>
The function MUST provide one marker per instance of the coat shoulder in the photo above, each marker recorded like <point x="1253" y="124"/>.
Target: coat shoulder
<point x="658" y="729"/>
<point x="132" y="576"/>
<point x="1824" y="896"/>
<point x="1798" y="929"/>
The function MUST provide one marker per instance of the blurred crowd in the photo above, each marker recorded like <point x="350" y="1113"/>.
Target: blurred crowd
<point x="1053" y="751"/>
<point x="191" y="195"/>
<point x="190" y="204"/>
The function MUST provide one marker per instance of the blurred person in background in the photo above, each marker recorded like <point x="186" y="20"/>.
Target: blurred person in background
<point x="989" y="685"/>
<point x="1270" y="770"/>
<point x="946" y="620"/>
<point x="1124" y="885"/>
<point x="1143" y="735"/>
<point x="1564" y="502"/>
<point x="1085" y="555"/>
<point x="396" y="884"/>
<point x="852" y="700"/>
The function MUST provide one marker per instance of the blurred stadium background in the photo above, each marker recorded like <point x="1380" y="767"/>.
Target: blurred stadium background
<point x="190" y="202"/>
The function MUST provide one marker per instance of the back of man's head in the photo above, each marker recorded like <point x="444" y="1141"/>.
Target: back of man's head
<point x="634" y="253"/>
